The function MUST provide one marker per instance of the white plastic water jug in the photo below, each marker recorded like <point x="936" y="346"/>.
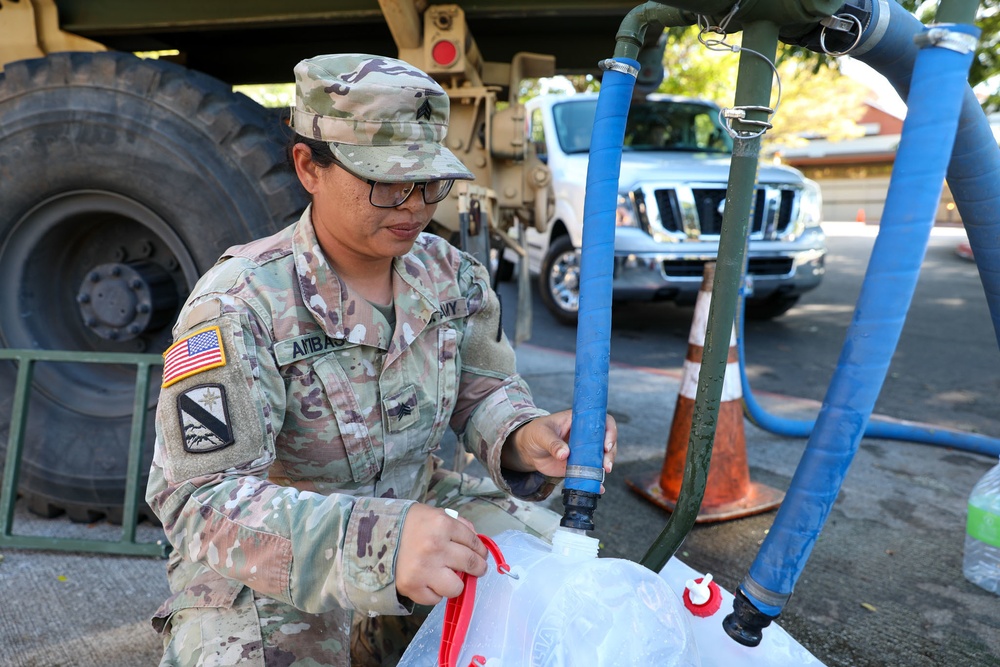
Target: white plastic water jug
<point x="561" y="606"/>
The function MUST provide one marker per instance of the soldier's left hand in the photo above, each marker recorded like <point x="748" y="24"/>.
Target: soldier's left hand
<point x="541" y="445"/>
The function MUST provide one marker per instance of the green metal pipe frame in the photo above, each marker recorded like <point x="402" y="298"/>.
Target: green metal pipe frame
<point x="784" y="13"/>
<point x="753" y="89"/>
<point x="632" y="33"/>
<point x="957" y="11"/>
<point x="127" y="545"/>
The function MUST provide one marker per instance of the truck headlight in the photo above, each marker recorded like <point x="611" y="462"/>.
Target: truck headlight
<point x="625" y="214"/>
<point x="811" y="206"/>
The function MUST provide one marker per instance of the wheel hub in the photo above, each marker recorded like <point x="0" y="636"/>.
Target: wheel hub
<point x="565" y="285"/>
<point x="571" y="280"/>
<point x="120" y="301"/>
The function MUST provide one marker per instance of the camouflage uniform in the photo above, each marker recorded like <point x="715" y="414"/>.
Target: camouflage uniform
<point x="296" y="427"/>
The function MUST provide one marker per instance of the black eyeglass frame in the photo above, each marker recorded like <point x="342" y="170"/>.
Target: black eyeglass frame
<point x="413" y="185"/>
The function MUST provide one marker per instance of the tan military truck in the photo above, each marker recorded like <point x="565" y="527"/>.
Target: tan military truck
<point x="122" y="179"/>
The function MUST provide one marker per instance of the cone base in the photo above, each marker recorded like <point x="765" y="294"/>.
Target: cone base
<point x="759" y="498"/>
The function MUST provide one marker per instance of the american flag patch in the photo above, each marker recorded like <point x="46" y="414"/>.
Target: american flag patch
<point x="189" y="356"/>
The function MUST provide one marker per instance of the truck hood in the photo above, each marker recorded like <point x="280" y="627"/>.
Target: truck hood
<point x="677" y="167"/>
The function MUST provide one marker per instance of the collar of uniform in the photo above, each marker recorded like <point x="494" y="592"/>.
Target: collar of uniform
<point x="354" y="319"/>
<point x="422" y="301"/>
<point x="416" y="303"/>
<point x="320" y="287"/>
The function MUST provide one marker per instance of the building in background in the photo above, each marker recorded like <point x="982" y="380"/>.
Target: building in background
<point x="854" y="173"/>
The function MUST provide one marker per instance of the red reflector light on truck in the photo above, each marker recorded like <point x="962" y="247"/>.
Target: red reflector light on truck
<point x="445" y="53"/>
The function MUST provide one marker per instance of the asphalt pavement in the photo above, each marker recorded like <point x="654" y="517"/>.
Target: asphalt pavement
<point x="883" y="586"/>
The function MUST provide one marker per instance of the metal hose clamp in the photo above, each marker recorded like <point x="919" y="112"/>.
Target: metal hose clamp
<point x="727" y="115"/>
<point x="759" y="592"/>
<point x="953" y="40"/>
<point x="618" y="66"/>
<point x="585" y="472"/>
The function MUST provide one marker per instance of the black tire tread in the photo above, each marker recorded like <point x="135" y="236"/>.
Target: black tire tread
<point x="242" y="134"/>
<point x="185" y="92"/>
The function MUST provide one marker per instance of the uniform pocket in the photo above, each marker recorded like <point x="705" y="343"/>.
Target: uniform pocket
<point x="402" y="409"/>
<point x="340" y="446"/>
<point x="207" y="590"/>
<point x="211" y="635"/>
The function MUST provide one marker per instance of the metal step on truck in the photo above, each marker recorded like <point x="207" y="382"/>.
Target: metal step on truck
<point x="122" y="179"/>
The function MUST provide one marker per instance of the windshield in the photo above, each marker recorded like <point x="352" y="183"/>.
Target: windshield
<point x="653" y="125"/>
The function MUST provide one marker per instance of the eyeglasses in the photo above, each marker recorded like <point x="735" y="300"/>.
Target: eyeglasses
<point x="391" y="195"/>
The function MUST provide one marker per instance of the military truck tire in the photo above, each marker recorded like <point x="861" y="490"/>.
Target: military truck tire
<point x="121" y="181"/>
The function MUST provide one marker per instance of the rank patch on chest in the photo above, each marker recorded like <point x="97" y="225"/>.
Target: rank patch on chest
<point x="193" y="354"/>
<point x="204" y="416"/>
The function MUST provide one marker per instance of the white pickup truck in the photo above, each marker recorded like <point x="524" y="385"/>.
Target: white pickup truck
<point x="672" y="191"/>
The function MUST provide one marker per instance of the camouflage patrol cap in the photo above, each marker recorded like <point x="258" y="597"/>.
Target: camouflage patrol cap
<point x="383" y="118"/>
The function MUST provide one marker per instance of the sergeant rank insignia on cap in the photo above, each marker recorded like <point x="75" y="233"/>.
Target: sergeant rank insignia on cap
<point x="204" y="416"/>
<point x="193" y="354"/>
<point x="425" y="111"/>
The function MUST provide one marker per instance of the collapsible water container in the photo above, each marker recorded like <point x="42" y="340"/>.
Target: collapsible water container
<point x="562" y="606"/>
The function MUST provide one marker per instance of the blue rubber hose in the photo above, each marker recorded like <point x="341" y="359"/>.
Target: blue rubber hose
<point x="801" y="428"/>
<point x="585" y="467"/>
<point x="974" y="170"/>
<point x="974" y="178"/>
<point x="939" y="79"/>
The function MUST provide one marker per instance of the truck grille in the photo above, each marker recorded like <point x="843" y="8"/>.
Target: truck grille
<point x="707" y="204"/>
<point x="758" y="266"/>
<point x="771" y="211"/>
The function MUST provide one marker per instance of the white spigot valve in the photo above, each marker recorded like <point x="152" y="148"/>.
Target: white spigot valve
<point x="702" y="596"/>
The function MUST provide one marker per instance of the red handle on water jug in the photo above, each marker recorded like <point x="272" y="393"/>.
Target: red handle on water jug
<point x="458" y="612"/>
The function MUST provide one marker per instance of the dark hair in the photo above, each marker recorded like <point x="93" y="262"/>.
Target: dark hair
<point x="320" y="150"/>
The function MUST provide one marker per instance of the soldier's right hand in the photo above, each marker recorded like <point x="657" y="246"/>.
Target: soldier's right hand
<point x="433" y="549"/>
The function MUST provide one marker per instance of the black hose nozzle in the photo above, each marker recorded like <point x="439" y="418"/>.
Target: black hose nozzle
<point x="746" y="623"/>
<point x="580" y="506"/>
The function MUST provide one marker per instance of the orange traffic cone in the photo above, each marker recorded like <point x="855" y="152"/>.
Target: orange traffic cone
<point x="861" y="215"/>
<point x="729" y="493"/>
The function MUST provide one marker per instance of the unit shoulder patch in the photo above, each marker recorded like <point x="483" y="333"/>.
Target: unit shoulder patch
<point x="193" y="354"/>
<point x="204" y="415"/>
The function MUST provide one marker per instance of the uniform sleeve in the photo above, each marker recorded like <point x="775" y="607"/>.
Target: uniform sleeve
<point x="493" y="399"/>
<point x="216" y="423"/>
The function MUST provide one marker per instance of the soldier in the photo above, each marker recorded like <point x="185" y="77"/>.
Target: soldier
<point x="313" y="374"/>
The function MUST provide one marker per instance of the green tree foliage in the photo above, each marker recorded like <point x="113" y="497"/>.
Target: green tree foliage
<point x="986" y="66"/>
<point x="814" y="101"/>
